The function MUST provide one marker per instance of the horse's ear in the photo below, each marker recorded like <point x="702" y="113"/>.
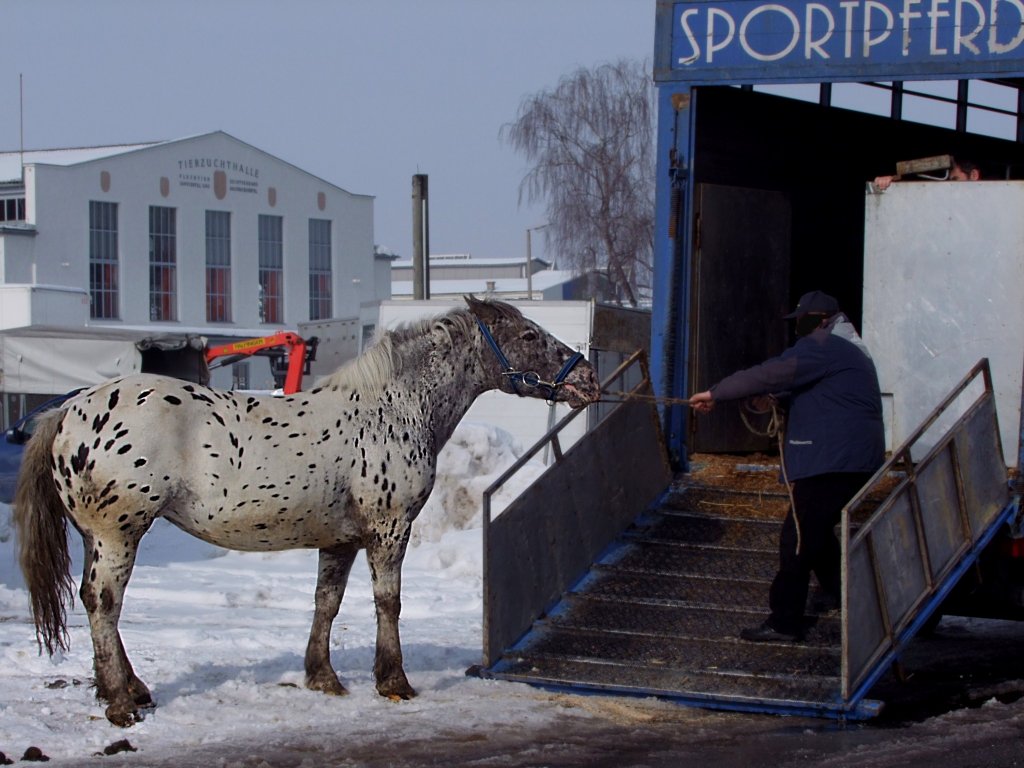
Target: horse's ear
<point x="483" y="310"/>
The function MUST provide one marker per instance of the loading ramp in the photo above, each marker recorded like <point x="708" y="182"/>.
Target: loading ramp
<point x="658" y="610"/>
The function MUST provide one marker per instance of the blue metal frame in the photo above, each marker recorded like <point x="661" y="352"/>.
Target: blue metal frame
<point x="671" y="304"/>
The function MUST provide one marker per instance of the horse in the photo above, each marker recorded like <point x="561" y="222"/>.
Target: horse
<point x="343" y="467"/>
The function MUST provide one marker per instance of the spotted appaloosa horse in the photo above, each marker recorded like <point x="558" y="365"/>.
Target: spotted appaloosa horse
<point x="343" y="467"/>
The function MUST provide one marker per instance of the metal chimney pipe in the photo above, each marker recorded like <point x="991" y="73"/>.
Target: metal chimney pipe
<point x="420" y="238"/>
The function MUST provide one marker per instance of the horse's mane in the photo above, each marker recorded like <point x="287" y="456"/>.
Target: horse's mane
<point x="380" y="363"/>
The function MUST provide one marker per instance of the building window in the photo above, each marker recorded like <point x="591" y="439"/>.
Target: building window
<point x="271" y="255"/>
<point x="12" y="209"/>
<point x="103" y="267"/>
<point x="319" y="269"/>
<point x="162" y="263"/>
<point x="218" y="267"/>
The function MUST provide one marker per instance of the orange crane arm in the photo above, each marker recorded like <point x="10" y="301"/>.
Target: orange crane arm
<point x="298" y="349"/>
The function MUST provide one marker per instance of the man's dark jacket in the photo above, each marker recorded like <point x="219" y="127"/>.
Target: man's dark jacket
<point x="834" y="414"/>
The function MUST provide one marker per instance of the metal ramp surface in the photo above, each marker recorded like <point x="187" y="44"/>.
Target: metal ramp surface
<point x="659" y="611"/>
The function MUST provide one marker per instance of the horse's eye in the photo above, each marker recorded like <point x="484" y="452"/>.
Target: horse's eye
<point x="529" y="336"/>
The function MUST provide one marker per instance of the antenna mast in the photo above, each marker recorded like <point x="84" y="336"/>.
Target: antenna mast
<point x="21" y="123"/>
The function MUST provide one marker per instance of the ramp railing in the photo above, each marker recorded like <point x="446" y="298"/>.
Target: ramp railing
<point x="900" y="563"/>
<point x="546" y="539"/>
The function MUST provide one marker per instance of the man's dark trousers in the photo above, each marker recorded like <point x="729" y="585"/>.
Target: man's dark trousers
<point x="819" y="502"/>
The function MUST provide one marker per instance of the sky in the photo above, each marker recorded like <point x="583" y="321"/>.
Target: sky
<point x="362" y="93"/>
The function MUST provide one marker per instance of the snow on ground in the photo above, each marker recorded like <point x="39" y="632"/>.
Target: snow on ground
<point x="219" y="638"/>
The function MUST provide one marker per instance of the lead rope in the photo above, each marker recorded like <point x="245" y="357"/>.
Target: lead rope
<point x="776" y="428"/>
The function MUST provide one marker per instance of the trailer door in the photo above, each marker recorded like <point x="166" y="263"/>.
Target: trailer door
<point x="740" y="293"/>
<point x="943" y="270"/>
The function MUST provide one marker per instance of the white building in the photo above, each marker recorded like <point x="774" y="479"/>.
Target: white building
<point x="453" y="275"/>
<point x="205" y="235"/>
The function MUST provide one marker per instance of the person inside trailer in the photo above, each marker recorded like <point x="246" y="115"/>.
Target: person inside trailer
<point x="833" y="443"/>
<point x="960" y="170"/>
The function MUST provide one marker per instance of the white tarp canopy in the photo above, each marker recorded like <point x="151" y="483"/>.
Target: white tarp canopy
<point x="47" y="361"/>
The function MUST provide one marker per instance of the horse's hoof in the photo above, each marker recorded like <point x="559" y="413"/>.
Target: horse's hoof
<point x="399" y="691"/>
<point x="140" y="694"/>
<point x="122" y="718"/>
<point x="327" y="683"/>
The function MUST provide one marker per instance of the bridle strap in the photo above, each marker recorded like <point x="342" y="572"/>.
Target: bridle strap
<point x="506" y="367"/>
<point x="528" y="379"/>
<point x="567" y="368"/>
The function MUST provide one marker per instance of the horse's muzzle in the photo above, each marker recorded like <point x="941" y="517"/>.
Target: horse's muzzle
<point x="580" y="388"/>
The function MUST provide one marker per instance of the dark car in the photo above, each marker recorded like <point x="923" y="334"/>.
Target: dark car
<point x="13" y="444"/>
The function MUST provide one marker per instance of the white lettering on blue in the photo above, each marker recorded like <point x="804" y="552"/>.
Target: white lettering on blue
<point x="816" y="45"/>
<point x="853" y="30"/>
<point x="714" y="13"/>
<point x="967" y="40"/>
<point x="907" y="17"/>
<point x="870" y="41"/>
<point x="787" y="49"/>
<point x="993" y="44"/>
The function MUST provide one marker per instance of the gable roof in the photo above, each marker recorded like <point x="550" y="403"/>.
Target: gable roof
<point x="11" y="162"/>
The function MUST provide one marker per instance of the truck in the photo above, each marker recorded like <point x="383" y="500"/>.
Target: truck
<point x="290" y="357"/>
<point x="772" y="119"/>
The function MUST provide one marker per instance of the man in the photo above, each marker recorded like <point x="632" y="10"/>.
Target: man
<point x="962" y="170"/>
<point x="834" y="442"/>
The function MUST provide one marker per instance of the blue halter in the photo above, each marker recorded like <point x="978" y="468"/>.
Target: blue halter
<point x="529" y="379"/>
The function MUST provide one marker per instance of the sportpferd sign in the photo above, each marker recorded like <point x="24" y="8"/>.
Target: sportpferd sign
<point x="754" y="40"/>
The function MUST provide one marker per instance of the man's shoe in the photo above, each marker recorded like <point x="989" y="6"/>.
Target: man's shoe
<point x="768" y="634"/>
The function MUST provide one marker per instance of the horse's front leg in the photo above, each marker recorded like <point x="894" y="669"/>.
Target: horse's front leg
<point x="332" y="576"/>
<point x="108" y="566"/>
<point x="385" y="554"/>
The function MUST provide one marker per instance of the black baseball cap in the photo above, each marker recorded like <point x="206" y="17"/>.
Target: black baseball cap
<point x="817" y="302"/>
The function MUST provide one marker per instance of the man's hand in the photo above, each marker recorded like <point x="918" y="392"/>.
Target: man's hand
<point x="702" y="402"/>
<point x="882" y="183"/>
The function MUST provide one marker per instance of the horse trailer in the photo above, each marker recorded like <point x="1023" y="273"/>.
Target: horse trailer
<point x="773" y="119"/>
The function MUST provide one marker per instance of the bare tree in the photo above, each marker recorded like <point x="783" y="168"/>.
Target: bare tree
<point x="590" y="143"/>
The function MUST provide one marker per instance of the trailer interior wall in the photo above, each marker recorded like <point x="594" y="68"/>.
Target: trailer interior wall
<point x="819" y="160"/>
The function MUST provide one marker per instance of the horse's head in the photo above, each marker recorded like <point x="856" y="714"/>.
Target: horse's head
<point x="533" y="363"/>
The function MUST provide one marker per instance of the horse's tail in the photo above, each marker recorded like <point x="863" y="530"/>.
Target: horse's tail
<point x="41" y="524"/>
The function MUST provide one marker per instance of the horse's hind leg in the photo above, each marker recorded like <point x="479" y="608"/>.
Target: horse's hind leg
<point x="332" y="577"/>
<point x="108" y="566"/>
